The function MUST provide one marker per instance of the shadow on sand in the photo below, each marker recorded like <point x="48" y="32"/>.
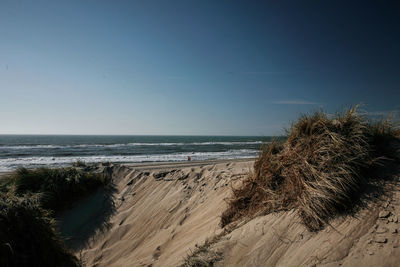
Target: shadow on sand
<point x="78" y="225"/>
<point x="379" y="182"/>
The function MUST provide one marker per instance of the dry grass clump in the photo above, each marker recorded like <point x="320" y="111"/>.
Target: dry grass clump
<point x="79" y="163"/>
<point x="318" y="170"/>
<point x="27" y="235"/>
<point x="204" y="256"/>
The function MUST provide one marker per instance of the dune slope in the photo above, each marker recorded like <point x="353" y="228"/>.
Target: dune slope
<point x="162" y="215"/>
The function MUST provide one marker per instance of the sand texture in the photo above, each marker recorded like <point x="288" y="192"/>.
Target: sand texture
<point x="161" y="213"/>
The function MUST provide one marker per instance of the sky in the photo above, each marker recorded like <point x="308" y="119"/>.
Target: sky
<point x="192" y="67"/>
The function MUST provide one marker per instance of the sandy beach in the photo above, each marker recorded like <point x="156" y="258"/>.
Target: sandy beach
<point x="164" y="212"/>
<point x="161" y="212"/>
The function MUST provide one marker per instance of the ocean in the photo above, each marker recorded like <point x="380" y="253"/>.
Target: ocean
<point x="32" y="151"/>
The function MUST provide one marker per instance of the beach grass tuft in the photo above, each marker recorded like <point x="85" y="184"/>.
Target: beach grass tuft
<point x="28" y="201"/>
<point x="203" y="255"/>
<point x="56" y="189"/>
<point x="318" y="170"/>
<point x="79" y="163"/>
<point x="27" y="235"/>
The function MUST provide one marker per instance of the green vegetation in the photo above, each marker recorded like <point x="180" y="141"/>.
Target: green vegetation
<point x="28" y="198"/>
<point x="319" y="170"/>
<point x="27" y="235"/>
<point x="55" y="188"/>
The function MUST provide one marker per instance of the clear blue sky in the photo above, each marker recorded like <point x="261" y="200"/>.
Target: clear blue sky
<point x="192" y="67"/>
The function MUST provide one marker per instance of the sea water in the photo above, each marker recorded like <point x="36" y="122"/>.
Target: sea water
<point x="60" y="150"/>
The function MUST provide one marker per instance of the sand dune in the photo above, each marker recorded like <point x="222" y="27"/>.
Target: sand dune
<point x="163" y="212"/>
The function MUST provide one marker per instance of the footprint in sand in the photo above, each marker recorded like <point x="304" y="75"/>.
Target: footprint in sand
<point x="157" y="253"/>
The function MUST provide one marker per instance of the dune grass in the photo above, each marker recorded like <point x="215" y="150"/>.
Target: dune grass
<point x="318" y="170"/>
<point x="27" y="235"/>
<point x="79" y="163"/>
<point x="28" y="200"/>
<point x="203" y="255"/>
<point x="56" y="189"/>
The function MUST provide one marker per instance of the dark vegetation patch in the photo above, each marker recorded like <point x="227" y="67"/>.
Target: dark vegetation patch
<point x="56" y="189"/>
<point x="79" y="163"/>
<point x="322" y="169"/>
<point x="27" y="235"/>
<point x="28" y="201"/>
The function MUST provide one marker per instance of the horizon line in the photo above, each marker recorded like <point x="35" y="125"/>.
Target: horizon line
<point x="233" y="135"/>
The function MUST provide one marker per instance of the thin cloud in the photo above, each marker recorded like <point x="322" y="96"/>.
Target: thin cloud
<point x="295" y="102"/>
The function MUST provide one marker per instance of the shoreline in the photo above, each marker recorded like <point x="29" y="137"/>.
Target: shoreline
<point x="180" y="164"/>
<point x="155" y="165"/>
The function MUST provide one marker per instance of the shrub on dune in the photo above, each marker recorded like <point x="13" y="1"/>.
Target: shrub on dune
<point x="56" y="188"/>
<point x="27" y="235"/>
<point x="27" y="200"/>
<point x="318" y="170"/>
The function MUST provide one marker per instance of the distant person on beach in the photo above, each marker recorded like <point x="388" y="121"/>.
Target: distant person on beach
<point x="189" y="158"/>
